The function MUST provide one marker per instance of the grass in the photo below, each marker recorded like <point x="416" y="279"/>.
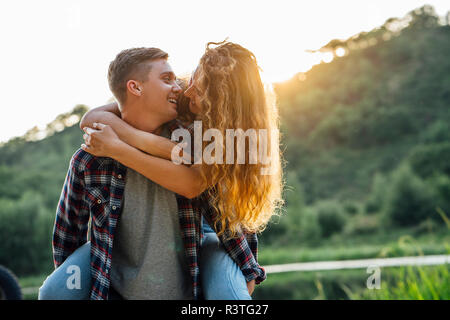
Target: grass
<point x="31" y="282"/>
<point x="397" y="283"/>
<point x="412" y="283"/>
<point x="361" y="247"/>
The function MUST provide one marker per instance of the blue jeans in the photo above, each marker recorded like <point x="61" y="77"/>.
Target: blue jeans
<point x="59" y="285"/>
<point x="221" y="277"/>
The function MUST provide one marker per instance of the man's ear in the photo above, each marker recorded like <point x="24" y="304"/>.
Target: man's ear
<point x="134" y="87"/>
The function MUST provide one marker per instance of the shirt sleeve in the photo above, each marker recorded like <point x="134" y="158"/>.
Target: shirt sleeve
<point x="72" y="216"/>
<point x="252" y="240"/>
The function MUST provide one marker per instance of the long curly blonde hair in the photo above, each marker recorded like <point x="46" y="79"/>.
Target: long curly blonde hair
<point x="232" y="96"/>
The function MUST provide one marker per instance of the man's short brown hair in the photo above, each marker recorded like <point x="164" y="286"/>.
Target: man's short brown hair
<point x="131" y="64"/>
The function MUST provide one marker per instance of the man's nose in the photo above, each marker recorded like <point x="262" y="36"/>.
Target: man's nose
<point x="176" y="88"/>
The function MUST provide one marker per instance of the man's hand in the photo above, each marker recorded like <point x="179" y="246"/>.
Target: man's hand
<point x="251" y="286"/>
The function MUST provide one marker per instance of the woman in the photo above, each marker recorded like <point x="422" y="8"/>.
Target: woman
<point x="225" y="92"/>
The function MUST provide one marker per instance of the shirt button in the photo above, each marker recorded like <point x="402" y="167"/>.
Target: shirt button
<point x="99" y="201"/>
<point x="119" y="176"/>
<point x="114" y="207"/>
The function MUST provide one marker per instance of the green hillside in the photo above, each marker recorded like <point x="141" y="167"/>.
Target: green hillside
<point x="366" y="137"/>
<point x="367" y="111"/>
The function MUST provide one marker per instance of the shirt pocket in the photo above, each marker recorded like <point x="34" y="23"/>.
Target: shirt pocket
<point x="98" y="199"/>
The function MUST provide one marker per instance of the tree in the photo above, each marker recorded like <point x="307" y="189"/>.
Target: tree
<point x="423" y="18"/>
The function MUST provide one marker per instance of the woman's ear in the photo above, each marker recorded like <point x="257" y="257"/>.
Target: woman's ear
<point x="134" y="87"/>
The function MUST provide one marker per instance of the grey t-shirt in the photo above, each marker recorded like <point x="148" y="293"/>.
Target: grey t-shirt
<point x="148" y="260"/>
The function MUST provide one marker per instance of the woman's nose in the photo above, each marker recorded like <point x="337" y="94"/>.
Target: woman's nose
<point x="187" y="92"/>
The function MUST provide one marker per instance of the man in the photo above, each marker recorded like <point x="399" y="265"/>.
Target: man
<point x="142" y="219"/>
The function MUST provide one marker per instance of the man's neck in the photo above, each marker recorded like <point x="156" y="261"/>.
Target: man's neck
<point x="148" y="124"/>
<point x="158" y="130"/>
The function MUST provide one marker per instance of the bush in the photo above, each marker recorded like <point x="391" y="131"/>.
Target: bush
<point x="427" y="160"/>
<point x="362" y="224"/>
<point x="410" y="200"/>
<point x="441" y="187"/>
<point x="437" y="132"/>
<point x="311" y="231"/>
<point x="351" y="208"/>
<point x="25" y="234"/>
<point x="275" y="231"/>
<point x="330" y="217"/>
<point x="375" y="201"/>
<point x="286" y="228"/>
<point x="426" y="226"/>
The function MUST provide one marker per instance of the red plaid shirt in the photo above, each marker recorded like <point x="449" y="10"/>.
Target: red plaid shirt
<point x="94" y="188"/>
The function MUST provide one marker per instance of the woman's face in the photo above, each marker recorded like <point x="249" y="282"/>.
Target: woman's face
<point x="193" y="93"/>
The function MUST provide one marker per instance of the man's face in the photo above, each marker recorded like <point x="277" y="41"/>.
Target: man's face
<point x="157" y="99"/>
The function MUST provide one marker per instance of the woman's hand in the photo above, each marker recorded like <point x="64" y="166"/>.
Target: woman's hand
<point x="251" y="286"/>
<point x="103" y="142"/>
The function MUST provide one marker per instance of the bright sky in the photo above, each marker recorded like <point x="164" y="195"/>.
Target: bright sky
<point x="55" y="54"/>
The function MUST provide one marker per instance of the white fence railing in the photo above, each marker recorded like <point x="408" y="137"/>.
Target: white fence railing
<point x="359" y="264"/>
